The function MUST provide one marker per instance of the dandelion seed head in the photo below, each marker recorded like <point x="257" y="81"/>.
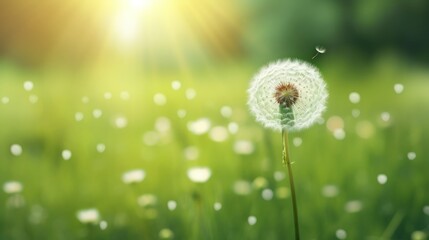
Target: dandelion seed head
<point x="162" y="124"/>
<point x="199" y="126"/>
<point x="96" y="113"/>
<point x="242" y="187"/>
<point x="166" y="233"/>
<point x="226" y="111"/>
<point x="121" y="122"/>
<point x="355" y="113"/>
<point x="146" y="200"/>
<point x="330" y="191"/>
<point x="353" y="206"/>
<point x="297" y="85"/>
<point x="339" y="134"/>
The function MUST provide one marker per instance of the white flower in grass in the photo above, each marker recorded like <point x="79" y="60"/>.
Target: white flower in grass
<point x="133" y="176"/>
<point x="288" y="94"/>
<point x="199" y="174"/>
<point x="88" y="216"/>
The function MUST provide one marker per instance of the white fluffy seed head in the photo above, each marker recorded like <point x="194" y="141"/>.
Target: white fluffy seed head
<point x="306" y="109"/>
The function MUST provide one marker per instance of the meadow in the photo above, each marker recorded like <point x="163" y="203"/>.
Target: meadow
<point x="205" y="168"/>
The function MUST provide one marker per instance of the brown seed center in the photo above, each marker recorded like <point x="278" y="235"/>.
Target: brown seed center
<point x="286" y="94"/>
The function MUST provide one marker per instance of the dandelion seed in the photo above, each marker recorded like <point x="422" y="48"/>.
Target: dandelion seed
<point x="329" y="191"/>
<point x="217" y="206"/>
<point x="353" y="206"/>
<point x="121" y="122"/>
<point x="267" y="194"/>
<point x="33" y="98"/>
<point x="226" y="111"/>
<point x="233" y="127"/>
<point x="133" y="176"/>
<point x="16" y="149"/>
<point x="411" y="155"/>
<point x="159" y="99"/>
<point x="100" y="147"/>
<point x="176" y="85"/>
<point x="297" y="141"/>
<point x="171" y="205"/>
<point x="341" y="234"/>
<point x="66" y="154"/>
<point x="166" y="233"/>
<point x="398" y="88"/>
<point x="293" y="86"/>
<point x="103" y="225"/>
<point x="107" y="95"/>
<point x="354" y="97"/>
<point x="88" y="216"/>
<point x="191" y="153"/>
<point x="5" y="100"/>
<point x="381" y="179"/>
<point x="251" y="220"/>
<point x="12" y="187"/>
<point x="146" y="200"/>
<point x="218" y="134"/>
<point x="190" y="94"/>
<point x="320" y="50"/>
<point x="199" y="174"/>
<point x="96" y="113"/>
<point x="78" y="116"/>
<point x="28" y="86"/>
<point x="124" y="95"/>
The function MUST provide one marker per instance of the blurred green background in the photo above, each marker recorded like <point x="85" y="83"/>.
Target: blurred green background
<point x="127" y="119"/>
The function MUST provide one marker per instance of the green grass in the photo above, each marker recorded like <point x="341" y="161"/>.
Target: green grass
<point x="55" y="189"/>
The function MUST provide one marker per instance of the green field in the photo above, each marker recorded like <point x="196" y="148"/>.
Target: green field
<point x="366" y="181"/>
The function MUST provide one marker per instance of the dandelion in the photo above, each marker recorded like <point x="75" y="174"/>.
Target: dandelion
<point x="288" y="96"/>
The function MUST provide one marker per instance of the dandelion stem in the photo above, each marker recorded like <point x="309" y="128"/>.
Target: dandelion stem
<point x="288" y="164"/>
